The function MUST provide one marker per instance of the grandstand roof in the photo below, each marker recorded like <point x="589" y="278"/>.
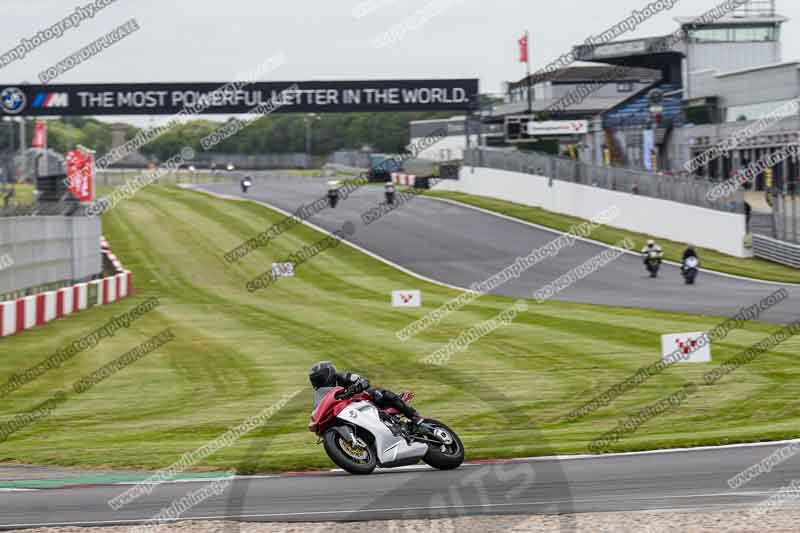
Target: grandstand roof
<point x="726" y="21"/>
<point x="586" y="74"/>
<point x="590" y="105"/>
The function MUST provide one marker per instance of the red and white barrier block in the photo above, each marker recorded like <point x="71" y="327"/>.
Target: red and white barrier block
<point x="112" y="288"/>
<point x="32" y="311"/>
<point x="403" y="179"/>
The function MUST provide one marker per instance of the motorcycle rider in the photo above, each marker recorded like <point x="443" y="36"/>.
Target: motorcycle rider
<point x="323" y="377"/>
<point x="690" y="273"/>
<point x="652" y="250"/>
<point x="389" y="191"/>
<point x="246" y="183"/>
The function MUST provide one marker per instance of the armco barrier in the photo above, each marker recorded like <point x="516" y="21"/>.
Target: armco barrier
<point x="771" y="249"/>
<point x="31" y="311"/>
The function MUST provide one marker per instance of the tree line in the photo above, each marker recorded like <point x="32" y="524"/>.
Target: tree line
<point x="382" y="132"/>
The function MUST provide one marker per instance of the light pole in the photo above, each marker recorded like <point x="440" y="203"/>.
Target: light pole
<point x="308" y="119"/>
<point x="9" y="152"/>
<point x="21" y="122"/>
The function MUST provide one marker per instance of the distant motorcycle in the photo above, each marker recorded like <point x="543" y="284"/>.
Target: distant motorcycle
<point x="690" y="268"/>
<point x="653" y="263"/>
<point x="390" y="194"/>
<point x="333" y="197"/>
<point x="246" y="184"/>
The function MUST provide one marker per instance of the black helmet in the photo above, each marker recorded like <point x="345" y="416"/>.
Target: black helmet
<point x="322" y="374"/>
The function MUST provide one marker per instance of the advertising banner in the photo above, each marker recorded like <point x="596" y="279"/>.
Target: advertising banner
<point x="283" y="270"/>
<point x="692" y="347"/>
<point x="558" y="127"/>
<point x="238" y="97"/>
<point x="406" y="298"/>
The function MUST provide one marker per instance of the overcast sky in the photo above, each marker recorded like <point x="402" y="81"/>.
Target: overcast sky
<point x="212" y="40"/>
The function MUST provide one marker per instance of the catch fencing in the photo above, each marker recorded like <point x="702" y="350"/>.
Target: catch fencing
<point x="685" y="190"/>
<point x="252" y="162"/>
<point x="785" y="214"/>
<point x="350" y="158"/>
<point x="42" y="251"/>
<point x="207" y="160"/>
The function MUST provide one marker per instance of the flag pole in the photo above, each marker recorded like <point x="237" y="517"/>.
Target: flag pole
<point x="528" y="72"/>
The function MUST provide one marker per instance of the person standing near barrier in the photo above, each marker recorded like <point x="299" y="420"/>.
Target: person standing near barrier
<point x="748" y="210"/>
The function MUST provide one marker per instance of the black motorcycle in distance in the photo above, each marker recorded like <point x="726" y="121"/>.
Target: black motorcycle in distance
<point x="690" y="268"/>
<point x="246" y="184"/>
<point x="390" y="194"/>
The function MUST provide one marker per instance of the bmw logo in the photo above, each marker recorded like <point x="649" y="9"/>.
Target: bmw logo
<point x="12" y="100"/>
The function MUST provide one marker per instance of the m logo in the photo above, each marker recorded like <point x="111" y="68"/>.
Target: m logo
<point x="47" y="100"/>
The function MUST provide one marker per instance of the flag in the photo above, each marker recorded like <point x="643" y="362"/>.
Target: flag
<point x="523" y="48"/>
<point x="80" y="173"/>
<point x="39" y="135"/>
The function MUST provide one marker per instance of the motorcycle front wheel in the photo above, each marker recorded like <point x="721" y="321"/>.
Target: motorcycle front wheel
<point x="359" y="459"/>
<point x="447" y="456"/>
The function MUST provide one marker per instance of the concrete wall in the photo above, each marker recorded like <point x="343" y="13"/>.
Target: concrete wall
<point x="707" y="228"/>
<point x="447" y="148"/>
<point x="43" y="250"/>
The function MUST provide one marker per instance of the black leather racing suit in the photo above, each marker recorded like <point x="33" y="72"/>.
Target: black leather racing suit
<point x="382" y="398"/>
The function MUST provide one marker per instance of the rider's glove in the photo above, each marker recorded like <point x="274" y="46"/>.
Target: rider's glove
<point x="357" y="383"/>
<point x="361" y="385"/>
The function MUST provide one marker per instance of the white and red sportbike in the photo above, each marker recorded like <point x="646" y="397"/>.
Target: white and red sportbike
<point x="359" y="437"/>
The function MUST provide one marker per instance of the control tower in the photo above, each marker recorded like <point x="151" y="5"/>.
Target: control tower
<point x="748" y="37"/>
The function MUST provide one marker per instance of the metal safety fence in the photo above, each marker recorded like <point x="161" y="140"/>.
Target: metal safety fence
<point x="685" y="190"/>
<point x="776" y="250"/>
<point x="785" y="214"/>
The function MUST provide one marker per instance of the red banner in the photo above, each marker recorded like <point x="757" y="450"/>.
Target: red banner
<point x="523" y="48"/>
<point x="80" y="172"/>
<point x="40" y="135"/>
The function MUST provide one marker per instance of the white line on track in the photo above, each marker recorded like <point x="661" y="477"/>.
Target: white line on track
<point x="397" y="509"/>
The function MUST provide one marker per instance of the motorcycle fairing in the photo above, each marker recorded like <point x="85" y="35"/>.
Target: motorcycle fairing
<point x="391" y="450"/>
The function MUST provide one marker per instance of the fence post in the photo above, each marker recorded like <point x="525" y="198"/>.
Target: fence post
<point x="794" y="214"/>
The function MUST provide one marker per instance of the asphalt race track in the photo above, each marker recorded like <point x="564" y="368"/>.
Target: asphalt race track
<point x="686" y="479"/>
<point x="460" y="246"/>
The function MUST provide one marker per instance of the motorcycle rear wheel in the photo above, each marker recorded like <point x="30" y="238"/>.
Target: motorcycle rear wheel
<point x="354" y="459"/>
<point x="447" y="457"/>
